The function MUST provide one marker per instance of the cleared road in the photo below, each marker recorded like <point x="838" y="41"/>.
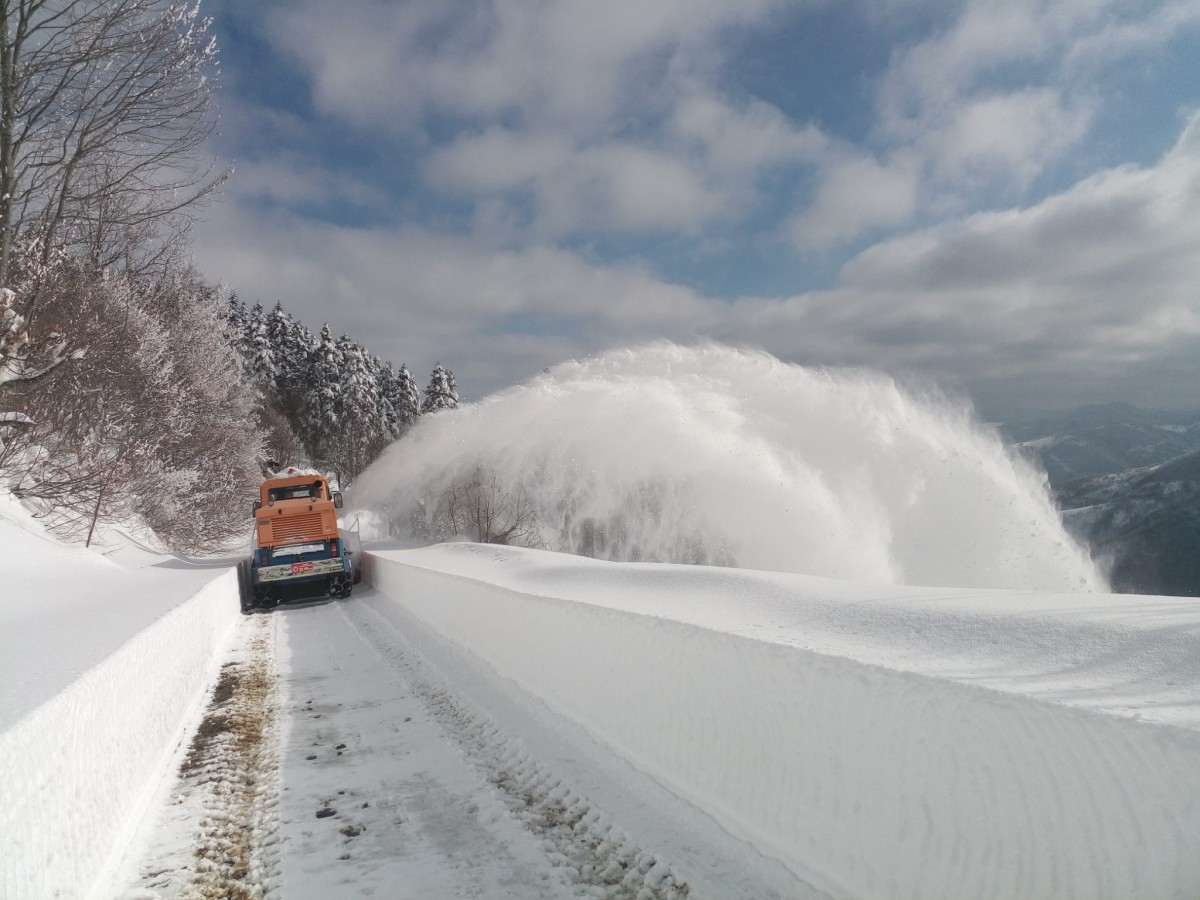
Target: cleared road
<point x="343" y="758"/>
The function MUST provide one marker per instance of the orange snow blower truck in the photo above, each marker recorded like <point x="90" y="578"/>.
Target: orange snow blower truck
<point x="297" y="552"/>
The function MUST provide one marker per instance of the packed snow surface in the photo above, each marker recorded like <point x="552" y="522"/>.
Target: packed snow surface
<point x="106" y="661"/>
<point x="486" y="718"/>
<point x="723" y="456"/>
<point x="64" y="609"/>
<point x="877" y="741"/>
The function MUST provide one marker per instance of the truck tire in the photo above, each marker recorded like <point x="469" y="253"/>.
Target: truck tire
<point x="264" y="599"/>
<point x="245" y="596"/>
<point x="340" y="587"/>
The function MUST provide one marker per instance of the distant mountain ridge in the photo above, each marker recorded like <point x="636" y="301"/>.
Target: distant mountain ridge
<point x="1143" y="525"/>
<point x="1127" y="482"/>
<point x="1104" y="439"/>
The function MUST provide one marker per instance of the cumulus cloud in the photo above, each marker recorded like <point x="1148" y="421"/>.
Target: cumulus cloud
<point x="613" y="186"/>
<point x="748" y="138"/>
<point x="573" y="119"/>
<point x="1001" y="92"/>
<point x="1098" y="279"/>
<point x="496" y="314"/>
<point x="1133" y="224"/>
<point x="1093" y="286"/>
<point x="595" y="117"/>
<point x="1009" y="137"/>
<point x="546" y="148"/>
<point x="294" y="180"/>
<point x="544" y="61"/>
<point x="857" y="195"/>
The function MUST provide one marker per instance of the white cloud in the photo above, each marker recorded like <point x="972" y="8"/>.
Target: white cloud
<point x="414" y="296"/>
<point x="1099" y="279"/>
<point x="736" y="141"/>
<point x="929" y="78"/>
<point x="1128" y="223"/>
<point x="622" y="186"/>
<point x="1004" y="90"/>
<point x="526" y="108"/>
<point x="1121" y="38"/>
<point x="547" y="61"/>
<point x="292" y="180"/>
<point x="855" y="196"/>
<point x="611" y="186"/>
<point x="498" y="160"/>
<point x="555" y="121"/>
<point x="1007" y="137"/>
<point x="1094" y="287"/>
<point x="600" y="116"/>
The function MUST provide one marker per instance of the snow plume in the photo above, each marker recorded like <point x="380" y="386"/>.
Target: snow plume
<point x="730" y="457"/>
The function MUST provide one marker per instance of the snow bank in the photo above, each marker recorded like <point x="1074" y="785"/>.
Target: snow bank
<point x="64" y="609"/>
<point x="845" y="730"/>
<point x="79" y="769"/>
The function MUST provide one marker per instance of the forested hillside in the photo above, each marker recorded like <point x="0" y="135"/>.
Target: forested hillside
<point x="324" y="401"/>
<point x="130" y="389"/>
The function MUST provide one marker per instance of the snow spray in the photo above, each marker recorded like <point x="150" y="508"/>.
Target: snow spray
<point x="720" y="456"/>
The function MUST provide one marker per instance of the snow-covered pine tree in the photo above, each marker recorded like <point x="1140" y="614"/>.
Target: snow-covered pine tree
<point x="441" y="393"/>
<point x="237" y="317"/>
<point x="295" y="352"/>
<point x="263" y="368"/>
<point x="323" y="397"/>
<point x="385" y="384"/>
<point x="321" y="391"/>
<point x="407" y="399"/>
<point x="360" y="435"/>
<point x="278" y="337"/>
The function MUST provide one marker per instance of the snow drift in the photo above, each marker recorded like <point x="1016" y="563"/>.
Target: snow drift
<point x="879" y="741"/>
<point x="730" y="457"/>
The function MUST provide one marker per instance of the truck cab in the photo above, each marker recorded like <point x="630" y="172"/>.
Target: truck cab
<point x="297" y="552"/>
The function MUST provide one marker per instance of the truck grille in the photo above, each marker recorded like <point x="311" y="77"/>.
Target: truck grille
<point x="290" y="529"/>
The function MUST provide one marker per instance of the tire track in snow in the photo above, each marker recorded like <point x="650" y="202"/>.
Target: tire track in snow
<point x="603" y="862"/>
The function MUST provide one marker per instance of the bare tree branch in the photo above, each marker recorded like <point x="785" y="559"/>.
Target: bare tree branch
<point x="104" y="109"/>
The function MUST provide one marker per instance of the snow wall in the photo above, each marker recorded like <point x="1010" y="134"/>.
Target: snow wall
<point x="866" y="781"/>
<point x="79" y="771"/>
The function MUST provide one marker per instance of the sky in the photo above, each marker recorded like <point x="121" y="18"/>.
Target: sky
<point x="1001" y="198"/>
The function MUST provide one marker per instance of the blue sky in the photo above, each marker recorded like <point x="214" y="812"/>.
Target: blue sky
<point x="1003" y="197"/>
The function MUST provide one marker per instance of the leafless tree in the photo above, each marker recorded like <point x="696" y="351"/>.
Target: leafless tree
<point x="24" y="359"/>
<point x="482" y="509"/>
<point x="104" y="108"/>
<point x="22" y="356"/>
<point x="155" y="422"/>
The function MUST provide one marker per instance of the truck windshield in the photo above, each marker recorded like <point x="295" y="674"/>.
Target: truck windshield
<point x="295" y="492"/>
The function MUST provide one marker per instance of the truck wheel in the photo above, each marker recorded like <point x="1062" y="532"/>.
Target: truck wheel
<point x="264" y="599"/>
<point x="245" y="596"/>
<point x="340" y="587"/>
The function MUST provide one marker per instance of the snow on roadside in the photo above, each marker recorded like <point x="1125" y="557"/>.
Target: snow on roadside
<point x="64" y="609"/>
<point x="105" y="669"/>
<point x="1126" y="655"/>
<point x="844" y="729"/>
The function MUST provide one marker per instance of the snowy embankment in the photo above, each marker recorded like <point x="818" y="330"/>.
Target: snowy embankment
<point x="106" y="666"/>
<point x="879" y="741"/>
